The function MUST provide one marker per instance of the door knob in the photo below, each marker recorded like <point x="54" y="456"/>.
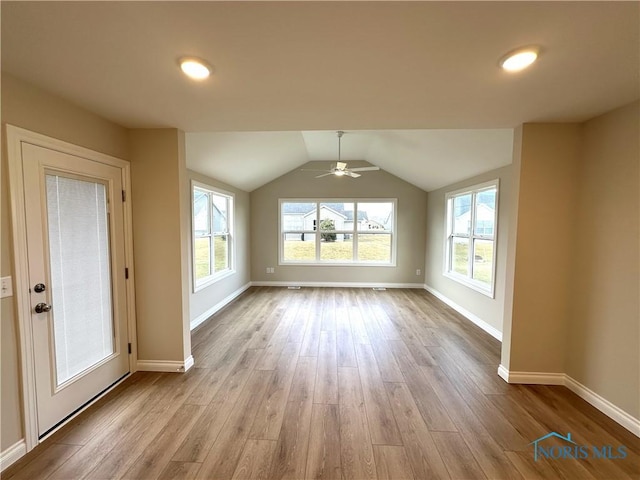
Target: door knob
<point x="42" y="308"/>
<point x="39" y="288"/>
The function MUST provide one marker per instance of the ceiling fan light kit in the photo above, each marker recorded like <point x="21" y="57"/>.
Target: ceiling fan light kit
<point x="340" y="169"/>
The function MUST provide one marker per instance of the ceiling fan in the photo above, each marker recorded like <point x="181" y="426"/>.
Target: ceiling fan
<point x="340" y="168"/>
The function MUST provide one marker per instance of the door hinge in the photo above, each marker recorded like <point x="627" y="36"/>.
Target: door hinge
<point x="126" y="273"/>
<point x="129" y="349"/>
<point x="124" y="196"/>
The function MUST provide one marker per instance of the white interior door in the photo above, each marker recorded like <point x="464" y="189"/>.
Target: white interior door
<point x="75" y="236"/>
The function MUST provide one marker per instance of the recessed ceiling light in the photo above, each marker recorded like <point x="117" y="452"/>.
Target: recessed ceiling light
<point x="519" y="59"/>
<point x="195" y="68"/>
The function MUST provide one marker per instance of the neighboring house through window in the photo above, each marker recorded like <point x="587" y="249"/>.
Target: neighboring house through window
<point x="212" y="234"/>
<point x="337" y="232"/>
<point x="470" y="244"/>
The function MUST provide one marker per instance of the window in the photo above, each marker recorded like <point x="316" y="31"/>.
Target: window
<point x="472" y="216"/>
<point x="212" y="235"/>
<point x="337" y="232"/>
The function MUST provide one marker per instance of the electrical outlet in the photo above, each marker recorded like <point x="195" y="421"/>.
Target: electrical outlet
<point x="271" y="270"/>
<point x="418" y="271"/>
<point x="6" y="287"/>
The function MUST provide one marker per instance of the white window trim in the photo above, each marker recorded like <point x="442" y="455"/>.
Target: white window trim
<point x="216" y="277"/>
<point x="466" y="281"/>
<point x="354" y="263"/>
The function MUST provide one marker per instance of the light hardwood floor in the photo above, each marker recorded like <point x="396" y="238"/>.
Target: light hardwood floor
<point x="331" y="384"/>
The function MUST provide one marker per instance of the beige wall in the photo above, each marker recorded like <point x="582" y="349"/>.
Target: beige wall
<point x="486" y="308"/>
<point x="575" y="307"/>
<point x="549" y="162"/>
<point x="604" y="327"/>
<point x="206" y="298"/>
<point x="184" y="225"/>
<point x="24" y="105"/>
<point x="377" y="184"/>
<point x="510" y="260"/>
<point x="28" y="107"/>
<point x="10" y="410"/>
<point x="573" y="269"/>
<point x="160" y="236"/>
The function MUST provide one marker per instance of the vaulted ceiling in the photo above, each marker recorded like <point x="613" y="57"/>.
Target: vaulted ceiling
<point x="428" y="159"/>
<point x="382" y="70"/>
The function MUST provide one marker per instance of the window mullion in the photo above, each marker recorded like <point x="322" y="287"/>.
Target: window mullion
<point x="354" y="235"/>
<point x="227" y="230"/>
<point x="471" y="234"/>
<point x="318" y="236"/>
<point x="212" y="249"/>
<point x="213" y="237"/>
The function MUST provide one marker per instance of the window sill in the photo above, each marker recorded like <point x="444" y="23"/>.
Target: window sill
<point x="477" y="286"/>
<point x="211" y="280"/>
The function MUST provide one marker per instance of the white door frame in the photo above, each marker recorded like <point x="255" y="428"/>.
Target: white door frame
<point x="15" y="136"/>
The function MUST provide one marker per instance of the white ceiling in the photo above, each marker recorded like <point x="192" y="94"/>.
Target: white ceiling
<point x="428" y="159"/>
<point x="307" y="66"/>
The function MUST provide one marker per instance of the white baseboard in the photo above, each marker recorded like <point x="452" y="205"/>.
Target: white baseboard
<point x="12" y="454"/>
<point x="491" y="330"/>
<point x="165" y="365"/>
<point x="605" y="406"/>
<point x="261" y="283"/>
<point x="218" y="306"/>
<point x="532" y="378"/>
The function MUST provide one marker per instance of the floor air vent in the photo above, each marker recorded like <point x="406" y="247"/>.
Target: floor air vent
<point x="379" y="289"/>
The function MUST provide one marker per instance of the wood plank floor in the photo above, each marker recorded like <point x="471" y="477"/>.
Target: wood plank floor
<point x="331" y="384"/>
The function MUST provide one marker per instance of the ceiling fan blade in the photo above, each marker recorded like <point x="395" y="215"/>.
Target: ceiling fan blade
<point x="341" y="165"/>
<point x="324" y="175"/>
<point x="352" y="174"/>
<point x="312" y="170"/>
<point x="364" y="169"/>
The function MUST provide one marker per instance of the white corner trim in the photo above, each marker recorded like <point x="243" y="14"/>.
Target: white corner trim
<point x="165" y="365"/>
<point x="261" y="283"/>
<point x="9" y="456"/>
<point x="491" y="330"/>
<point x="612" y="411"/>
<point x="605" y="406"/>
<point x="188" y="363"/>
<point x="503" y="373"/>
<point x="218" y="306"/>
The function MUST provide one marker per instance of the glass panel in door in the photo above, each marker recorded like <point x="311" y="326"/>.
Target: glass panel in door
<point x="83" y="330"/>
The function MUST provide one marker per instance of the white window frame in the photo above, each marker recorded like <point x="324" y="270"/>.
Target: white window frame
<point x="354" y="232"/>
<point x="469" y="281"/>
<point x="214" y="276"/>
